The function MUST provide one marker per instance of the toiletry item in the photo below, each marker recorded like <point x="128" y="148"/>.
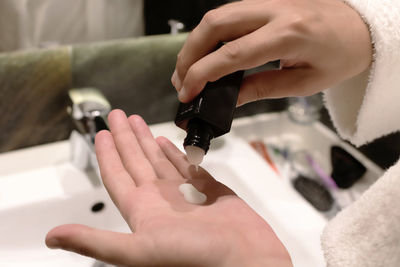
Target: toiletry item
<point x="209" y="115"/>
<point x="261" y="149"/>
<point x="192" y="195"/>
<point x="315" y="193"/>
<point x="306" y="109"/>
<point x="325" y="178"/>
<point x="346" y="170"/>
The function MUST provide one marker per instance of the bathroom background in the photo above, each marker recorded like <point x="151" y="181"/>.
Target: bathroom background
<point x="132" y="70"/>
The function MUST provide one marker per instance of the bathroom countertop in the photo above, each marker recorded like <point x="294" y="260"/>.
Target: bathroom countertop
<point x="384" y="151"/>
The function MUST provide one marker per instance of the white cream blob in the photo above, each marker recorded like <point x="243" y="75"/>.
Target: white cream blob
<point x="192" y="195"/>
<point x="194" y="155"/>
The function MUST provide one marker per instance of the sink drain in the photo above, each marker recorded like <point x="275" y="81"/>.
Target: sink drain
<point x="97" y="207"/>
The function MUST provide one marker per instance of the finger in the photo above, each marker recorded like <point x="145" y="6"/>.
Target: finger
<point x="249" y="51"/>
<point x="200" y="178"/>
<point x="222" y="24"/>
<point x="111" y="247"/>
<point x="277" y="83"/>
<point x="131" y="154"/>
<point x="156" y="156"/>
<point x="116" y="179"/>
<point x="178" y="159"/>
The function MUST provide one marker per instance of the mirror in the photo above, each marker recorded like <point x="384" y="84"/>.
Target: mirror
<point x="42" y="24"/>
<point x="157" y="13"/>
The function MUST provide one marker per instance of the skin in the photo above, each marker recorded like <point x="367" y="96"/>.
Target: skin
<point x="142" y="175"/>
<point x="319" y="42"/>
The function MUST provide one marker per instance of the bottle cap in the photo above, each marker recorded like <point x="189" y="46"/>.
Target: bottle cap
<point x="194" y="155"/>
<point x="199" y="134"/>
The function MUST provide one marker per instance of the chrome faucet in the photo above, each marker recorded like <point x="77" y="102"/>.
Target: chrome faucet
<point x="89" y="109"/>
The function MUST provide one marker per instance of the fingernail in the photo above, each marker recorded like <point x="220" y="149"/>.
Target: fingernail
<point x="173" y="78"/>
<point x="177" y="81"/>
<point x="182" y="94"/>
<point x="53" y="243"/>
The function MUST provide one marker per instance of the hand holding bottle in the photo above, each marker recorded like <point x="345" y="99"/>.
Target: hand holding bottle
<point x="319" y="43"/>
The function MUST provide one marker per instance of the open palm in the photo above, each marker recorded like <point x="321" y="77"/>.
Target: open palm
<point x="142" y="175"/>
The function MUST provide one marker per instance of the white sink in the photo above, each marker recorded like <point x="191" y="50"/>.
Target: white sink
<point x="24" y="228"/>
<point x="40" y="189"/>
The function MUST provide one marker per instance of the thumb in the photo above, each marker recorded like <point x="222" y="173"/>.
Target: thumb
<point x="277" y="83"/>
<point x="111" y="247"/>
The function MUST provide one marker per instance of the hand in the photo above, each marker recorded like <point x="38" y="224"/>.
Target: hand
<point x="319" y="42"/>
<point x="142" y="175"/>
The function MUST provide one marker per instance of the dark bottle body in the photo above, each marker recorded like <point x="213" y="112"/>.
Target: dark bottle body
<point x="210" y="114"/>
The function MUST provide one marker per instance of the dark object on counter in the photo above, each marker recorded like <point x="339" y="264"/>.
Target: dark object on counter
<point x="346" y="170"/>
<point x="315" y="193"/>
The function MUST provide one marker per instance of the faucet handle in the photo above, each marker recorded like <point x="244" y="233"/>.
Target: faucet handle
<point x="90" y="102"/>
<point x="89" y="110"/>
<point x="175" y="26"/>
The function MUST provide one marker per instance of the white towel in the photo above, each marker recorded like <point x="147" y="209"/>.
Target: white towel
<point x="367" y="233"/>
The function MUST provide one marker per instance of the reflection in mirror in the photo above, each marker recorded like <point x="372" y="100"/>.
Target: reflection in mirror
<point x="157" y="13"/>
<point x="49" y="23"/>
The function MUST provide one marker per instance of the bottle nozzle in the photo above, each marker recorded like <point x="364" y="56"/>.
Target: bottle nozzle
<point x="199" y="134"/>
<point x="197" y="141"/>
<point x="194" y="155"/>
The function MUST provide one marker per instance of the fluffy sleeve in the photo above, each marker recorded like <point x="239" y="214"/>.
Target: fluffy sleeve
<point x="368" y="105"/>
<point x="362" y="109"/>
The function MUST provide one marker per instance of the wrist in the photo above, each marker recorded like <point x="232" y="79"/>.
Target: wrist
<point x="259" y="252"/>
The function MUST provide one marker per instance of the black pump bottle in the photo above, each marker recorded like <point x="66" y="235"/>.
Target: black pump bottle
<point x="210" y="114"/>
